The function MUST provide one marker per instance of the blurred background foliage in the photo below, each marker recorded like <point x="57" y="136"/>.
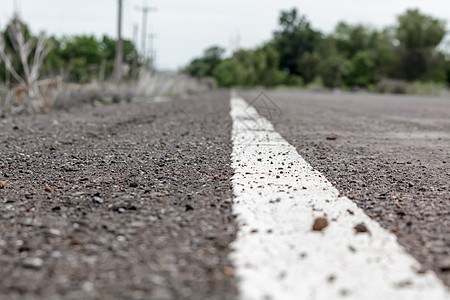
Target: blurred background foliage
<point x="352" y="57"/>
<point x="404" y="57"/>
<point x="38" y="74"/>
<point x="78" y="58"/>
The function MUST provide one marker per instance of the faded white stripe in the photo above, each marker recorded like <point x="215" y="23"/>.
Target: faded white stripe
<point x="278" y="195"/>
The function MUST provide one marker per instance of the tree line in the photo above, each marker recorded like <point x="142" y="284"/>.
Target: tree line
<point x="78" y="58"/>
<point x="354" y="56"/>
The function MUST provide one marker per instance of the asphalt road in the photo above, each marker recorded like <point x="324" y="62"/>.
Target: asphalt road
<point x="134" y="201"/>
<point x="391" y="156"/>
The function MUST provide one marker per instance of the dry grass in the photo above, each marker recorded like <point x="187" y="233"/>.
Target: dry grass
<point x="152" y="84"/>
<point x="59" y="95"/>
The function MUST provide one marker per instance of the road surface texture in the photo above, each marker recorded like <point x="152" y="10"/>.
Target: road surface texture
<point x="135" y="201"/>
<point x="118" y="202"/>
<point x="389" y="154"/>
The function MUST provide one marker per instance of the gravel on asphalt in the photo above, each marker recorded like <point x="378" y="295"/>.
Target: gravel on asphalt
<point x="118" y="202"/>
<point x="389" y="154"/>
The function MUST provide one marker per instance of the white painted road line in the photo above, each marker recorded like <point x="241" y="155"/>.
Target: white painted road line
<point x="277" y="255"/>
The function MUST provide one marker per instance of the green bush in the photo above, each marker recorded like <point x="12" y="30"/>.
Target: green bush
<point x="332" y="70"/>
<point x="428" y="88"/>
<point x="226" y="73"/>
<point x="316" y="85"/>
<point x="353" y="56"/>
<point x="294" y="80"/>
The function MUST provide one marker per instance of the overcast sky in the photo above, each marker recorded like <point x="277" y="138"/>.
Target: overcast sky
<point x="184" y="28"/>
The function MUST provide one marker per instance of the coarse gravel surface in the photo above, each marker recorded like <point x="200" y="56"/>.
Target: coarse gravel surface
<point x="118" y="202"/>
<point x="133" y="201"/>
<point x="389" y="154"/>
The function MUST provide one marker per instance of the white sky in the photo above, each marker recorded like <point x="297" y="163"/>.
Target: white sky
<point x="184" y="28"/>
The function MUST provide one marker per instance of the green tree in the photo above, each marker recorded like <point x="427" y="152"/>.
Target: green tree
<point x="250" y="68"/>
<point x="205" y="65"/>
<point x="371" y="53"/>
<point x="83" y="56"/>
<point x="447" y="69"/>
<point x="353" y="55"/>
<point x="418" y="35"/>
<point x="78" y="57"/>
<point x="294" y="38"/>
<point x="333" y="70"/>
<point x="360" y="70"/>
<point x="327" y="47"/>
<point x="54" y="63"/>
<point x="309" y="64"/>
<point x="108" y="47"/>
<point x="437" y="67"/>
<point x="350" y="39"/>
<point x="226" y="73"/>
<point x="246" y="75"/>
<point x="266" y="60"/>
<point x="385" y="57"/>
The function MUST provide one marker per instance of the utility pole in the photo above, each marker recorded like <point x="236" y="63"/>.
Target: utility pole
<point x="235" y="42"/>
<point x="119" y="47"/>
<point x="151" y="50"/>
<point x="17" y="7"/>
<point x="134" y="65"/>
<point x="145" y="10"/>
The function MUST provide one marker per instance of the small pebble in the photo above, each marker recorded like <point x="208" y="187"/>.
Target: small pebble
<point x="133" y="184"/>
<point x="228" y="271"/>
<point x="331" y="278"/>
<point x="33" y="263"/>
<point x="3" y="184"/>
<point x="319" y="224"/>
<point x="97" y="200"/>
<point x="361" y="228"/>
<point x="54" y="231"/>
<point x="332" y="137"/>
